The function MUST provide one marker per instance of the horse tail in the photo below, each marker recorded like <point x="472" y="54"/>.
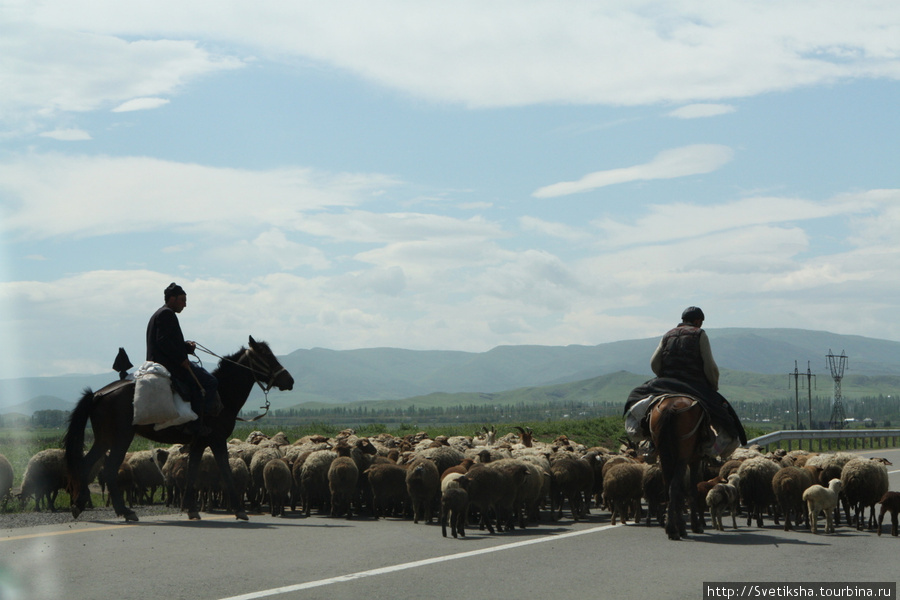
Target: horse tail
<point x="73" y="441"/>
<point x="667" y="441"/>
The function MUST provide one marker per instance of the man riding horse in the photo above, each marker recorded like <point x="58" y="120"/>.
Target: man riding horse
<point x="166" y="345"/>
<point x="683" y="364"/>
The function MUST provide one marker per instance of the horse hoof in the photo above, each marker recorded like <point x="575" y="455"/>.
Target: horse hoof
<point x="130" y="516"/>
<point x="241" y="516"/>
<point x="75" y="511"/>
<point x="194" y="515"/>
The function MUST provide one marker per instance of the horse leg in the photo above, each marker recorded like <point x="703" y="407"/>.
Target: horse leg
<point x="190" y="489"/>
<point x="697" y="521"/>
<point x="110" y="473"/>
<point x="675" y="527"/>
<point x="237" y="504"/>
<point x="80" y="491"/>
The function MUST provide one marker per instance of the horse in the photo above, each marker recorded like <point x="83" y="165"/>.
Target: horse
<point x="677" y="426"/>
<point x="111" y="412"/>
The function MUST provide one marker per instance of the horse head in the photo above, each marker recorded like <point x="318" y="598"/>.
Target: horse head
<point x="266" y="369"/>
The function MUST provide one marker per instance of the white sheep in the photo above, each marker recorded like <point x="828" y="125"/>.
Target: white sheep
<point x="864" y="481"/>
<point x="722" y="496"/>
<point x="820" y="498"/>
<point x="755" y="487"/>
<point x="146" y="467"/>
<point x="45" y="475"/>
<point x="6" y="480"/>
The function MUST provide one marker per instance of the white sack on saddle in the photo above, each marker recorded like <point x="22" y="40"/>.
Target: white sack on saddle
<point x="720" y="444"/>
<point x="154" y="401"/>
<point x="633" y="419"/>
<point x="184" y="415"/>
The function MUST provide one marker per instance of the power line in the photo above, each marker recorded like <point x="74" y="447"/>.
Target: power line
<point x="837" y="365"/>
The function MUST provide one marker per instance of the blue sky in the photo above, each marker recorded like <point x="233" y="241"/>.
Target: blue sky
<point x="442" y="175"/>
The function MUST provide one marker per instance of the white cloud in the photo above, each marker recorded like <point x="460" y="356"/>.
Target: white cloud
<point x="48" y="70"/>
<point x="699" y="111"/>
<point x="430" y="259"/>
<point x="531" y="278"/>
<point x="141" y="104"/>
<point x="145" y="194"/>
<point x="678" y="162"/>
<point x="666" y="222"/>
<point x="503" y="53"/>
<point x="557" y="230"/>
<point x="390" y="281"/>
<point x="369" y="227"/>
<point x="271" y="250"/>
<point x="67" y="135"/>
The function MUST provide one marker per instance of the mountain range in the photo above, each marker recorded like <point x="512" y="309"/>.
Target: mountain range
<point x="753" y="360"/>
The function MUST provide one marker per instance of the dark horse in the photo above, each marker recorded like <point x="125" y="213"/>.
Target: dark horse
<point x="111" y="413"/>
<point x="677" y="426"/>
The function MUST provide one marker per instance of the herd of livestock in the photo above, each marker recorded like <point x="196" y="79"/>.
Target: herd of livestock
<point x="489" y="482"/>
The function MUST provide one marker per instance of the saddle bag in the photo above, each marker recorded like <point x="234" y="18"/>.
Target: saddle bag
<point x="155" y="403"/>
<point x="635" y="420"/>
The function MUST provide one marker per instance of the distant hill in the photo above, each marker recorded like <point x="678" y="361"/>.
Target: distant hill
<point x="614" y="388"/>
<point x="755" y="363"/>
<point x="40" y="403"/>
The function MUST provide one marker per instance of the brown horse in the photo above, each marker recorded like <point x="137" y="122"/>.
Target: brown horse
<point x="677" y="426"/>
<point x="111" y="412"/>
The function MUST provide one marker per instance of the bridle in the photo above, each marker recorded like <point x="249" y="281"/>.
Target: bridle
<point x="259" y="375"/>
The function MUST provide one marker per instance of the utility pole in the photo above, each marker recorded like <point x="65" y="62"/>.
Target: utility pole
<point x="809" y="379"/>
<point x="796" y="375"/>
<point x="837" y="364"/>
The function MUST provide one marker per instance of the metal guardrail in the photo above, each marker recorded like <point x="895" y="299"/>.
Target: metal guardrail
<point x="829" y="436"/>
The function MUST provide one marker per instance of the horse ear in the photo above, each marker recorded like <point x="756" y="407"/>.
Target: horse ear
<point x="252" y="341"/>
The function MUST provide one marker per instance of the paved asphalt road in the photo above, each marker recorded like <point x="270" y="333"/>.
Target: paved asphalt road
<point x="320" y="557"/>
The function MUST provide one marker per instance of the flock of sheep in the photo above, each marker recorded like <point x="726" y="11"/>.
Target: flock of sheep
<point x="499" y="484"/>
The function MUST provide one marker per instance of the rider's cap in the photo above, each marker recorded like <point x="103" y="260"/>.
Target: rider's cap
<point x="174" y="290"/>
<point x="692" y="313"/>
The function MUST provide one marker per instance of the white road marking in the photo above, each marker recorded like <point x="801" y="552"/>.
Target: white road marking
<point x="412" y="565"/>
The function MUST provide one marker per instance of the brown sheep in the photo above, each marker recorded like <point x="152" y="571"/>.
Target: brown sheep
<point x="314" y="479"/>
<point x="569" y="477"/>
<point x="703" y="489"/>
<point x="423" y="482"/>
<point x="788" y="485"/>
<point x="343" y="477"/>
<point x="388" y="483"/>
<point x="509" y="505"/>
<point x="622" y="491"/>
<point x="890" y="502"/>
<point x="277" y="483"/>
<point x="455" y="510"/>
<point x="483" y="486"/>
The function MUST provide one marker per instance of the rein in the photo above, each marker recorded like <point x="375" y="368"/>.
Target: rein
<point x="253" y="368"/>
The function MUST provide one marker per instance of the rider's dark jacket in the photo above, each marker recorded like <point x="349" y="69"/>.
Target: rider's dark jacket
<point x="166" y="344"/>
<point x="680" y="356"/>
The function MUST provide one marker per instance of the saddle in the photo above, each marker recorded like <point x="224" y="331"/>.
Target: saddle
<point x="681" y="404"/>
<point x="715" y="441"/>
<point x="112" y="387"/>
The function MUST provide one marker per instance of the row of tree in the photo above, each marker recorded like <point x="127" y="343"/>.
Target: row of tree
<point x="782" y="413"/>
